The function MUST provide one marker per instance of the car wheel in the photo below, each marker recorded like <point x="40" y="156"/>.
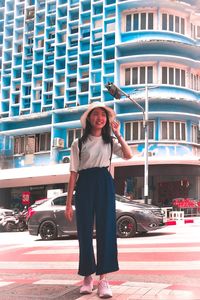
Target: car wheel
<point x="126" y="227"/>
<point x="8" y="227"/>
<point x="22" y="226"/>
<point x="48" y="230"/>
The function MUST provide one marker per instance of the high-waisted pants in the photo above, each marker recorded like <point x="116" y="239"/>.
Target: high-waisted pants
<point x="95" y="204"/>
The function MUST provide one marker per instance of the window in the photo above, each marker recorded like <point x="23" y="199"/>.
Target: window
<point x="27" y="90"/>
<point x="173" y="23"/>
<point x="72" y="95"/>
<point x="134" y="131"/>
<point x="84" y="87"/>
<point x="138" y="75"/>
<point x="73" y="42"/>
<point x="17" y="99"/>
<point x="127" y="76"/>
<point x="51" y="35"/>
<point x="40" y="43"/>
<point x="198" y="32"/>
<point x="72" y="82"/>
<point x="51" y="8"/>
<point x="74" y="29"/>
<point x="195" y="82"/>
<point x="29" y="144"/>
<point x="49" y="86"/>
<point x="139" y="21"/>
<point x="97" y="36"/>
<point x="72" y="135"/>
<point x="38" y="95"/>
<point x="43" y="142"/>
<point x="19" y="145"/>
<point x="30" y="14"/>
<point x="73" y="68"/>
<point x="173" y="130"/>
<point x="85" y="74"/>
<point x="61" y="200"/>
<point x="173" y="76"/>
<point x="98" y="23"/>
<point x="128" y="22"/>
<point x="85" y="32"/>
<point x="30" y="40"/>
<point x="194" y="133"/>
<point x="52" y="20"/>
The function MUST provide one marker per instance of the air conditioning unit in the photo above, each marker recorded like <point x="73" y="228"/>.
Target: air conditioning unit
<point x="58" y="143"/>
<point x="66" y="159"/>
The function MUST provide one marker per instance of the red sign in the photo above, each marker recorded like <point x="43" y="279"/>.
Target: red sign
<point x="26" y="198"/>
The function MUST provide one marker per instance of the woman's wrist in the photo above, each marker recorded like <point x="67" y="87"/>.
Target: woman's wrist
<point x="68" y="204"/>
<point x="118" y="136"/>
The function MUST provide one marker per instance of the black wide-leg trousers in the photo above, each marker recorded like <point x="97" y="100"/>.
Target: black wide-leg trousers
<point x="95" y="203"/>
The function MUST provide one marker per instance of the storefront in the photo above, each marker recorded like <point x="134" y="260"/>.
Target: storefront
<point x="166" y="182"/>
<point x="31" y="183"/>
<point x="18" y="197"/>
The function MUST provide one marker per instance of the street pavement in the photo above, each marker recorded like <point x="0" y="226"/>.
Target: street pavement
<point x="163" y="265"/>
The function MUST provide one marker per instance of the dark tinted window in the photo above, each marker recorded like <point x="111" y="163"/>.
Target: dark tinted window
<point x="61" y="200"/>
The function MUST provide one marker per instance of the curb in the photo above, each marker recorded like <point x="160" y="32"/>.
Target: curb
<point x="182" y="222"/>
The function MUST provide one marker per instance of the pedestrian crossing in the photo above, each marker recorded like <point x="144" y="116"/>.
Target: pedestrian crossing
<point x="148" y="270"/>
<point x="153" y="257"/>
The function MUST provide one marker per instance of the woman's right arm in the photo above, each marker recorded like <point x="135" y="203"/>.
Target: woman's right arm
<point x="71" y="186"/>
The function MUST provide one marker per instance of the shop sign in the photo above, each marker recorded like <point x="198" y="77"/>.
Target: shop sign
<point x="25" y="198"/>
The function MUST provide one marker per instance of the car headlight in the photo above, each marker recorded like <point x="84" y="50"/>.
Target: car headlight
<point x="145" y="211"/>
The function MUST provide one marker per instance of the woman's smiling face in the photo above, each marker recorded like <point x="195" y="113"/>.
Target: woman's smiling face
<point x="98" y="118"/>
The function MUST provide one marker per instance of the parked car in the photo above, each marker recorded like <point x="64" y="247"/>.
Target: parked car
<point x="10" y="220"/>
<point x="48" y="219"/>
<point x="5" y="214"/>
<point x="6" y="211"/>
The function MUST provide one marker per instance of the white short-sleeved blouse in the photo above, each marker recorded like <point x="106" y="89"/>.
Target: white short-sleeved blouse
<point x="94" y="153"/>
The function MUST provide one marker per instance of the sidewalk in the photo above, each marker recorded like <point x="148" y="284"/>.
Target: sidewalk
<point x="186" y="220"/>
<point x="69" y="290"/>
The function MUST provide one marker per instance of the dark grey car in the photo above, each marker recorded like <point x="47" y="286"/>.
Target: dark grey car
<point x="48" y="219"/>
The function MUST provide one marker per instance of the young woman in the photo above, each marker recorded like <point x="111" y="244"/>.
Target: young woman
<point x="95" y="194"/>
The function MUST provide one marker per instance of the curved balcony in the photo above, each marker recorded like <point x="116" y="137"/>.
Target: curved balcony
<point x="158" y="48"/>
<point x="163" y="92"/>
<point x="148" y="35"/>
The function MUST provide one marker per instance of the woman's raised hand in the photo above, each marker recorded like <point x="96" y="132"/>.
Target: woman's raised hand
<point x="115" y="125"/>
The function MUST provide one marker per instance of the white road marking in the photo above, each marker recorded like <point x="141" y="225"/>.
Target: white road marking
<point x="125" y="265"/>
<point x="120" y="250"/>
<point x="4" y="283"/>
<point x="56" y="281"/>
<point x="146" y="284"/>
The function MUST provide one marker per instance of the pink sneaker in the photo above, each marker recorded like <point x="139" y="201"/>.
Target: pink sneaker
<point x="87" y="286"/>
<point x="104" y="290"/>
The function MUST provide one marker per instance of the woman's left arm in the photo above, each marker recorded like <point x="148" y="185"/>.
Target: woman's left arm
<point x="125" y="147"/>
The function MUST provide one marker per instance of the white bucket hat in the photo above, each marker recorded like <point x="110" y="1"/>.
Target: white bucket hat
<point x="111" y="113"/>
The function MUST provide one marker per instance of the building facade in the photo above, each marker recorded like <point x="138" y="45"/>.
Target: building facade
<point x="56" y="57"/>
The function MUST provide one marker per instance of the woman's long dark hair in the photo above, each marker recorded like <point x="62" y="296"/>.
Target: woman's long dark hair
<point x="106" y="130"/>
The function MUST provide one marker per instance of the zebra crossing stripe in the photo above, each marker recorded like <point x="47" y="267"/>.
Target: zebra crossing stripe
<point x="120" y="250"/>
<point x="57" y="282"/>
<point x="72" y="265"/>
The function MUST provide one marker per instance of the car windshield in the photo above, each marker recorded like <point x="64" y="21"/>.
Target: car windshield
<point x="6" y="212"/>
